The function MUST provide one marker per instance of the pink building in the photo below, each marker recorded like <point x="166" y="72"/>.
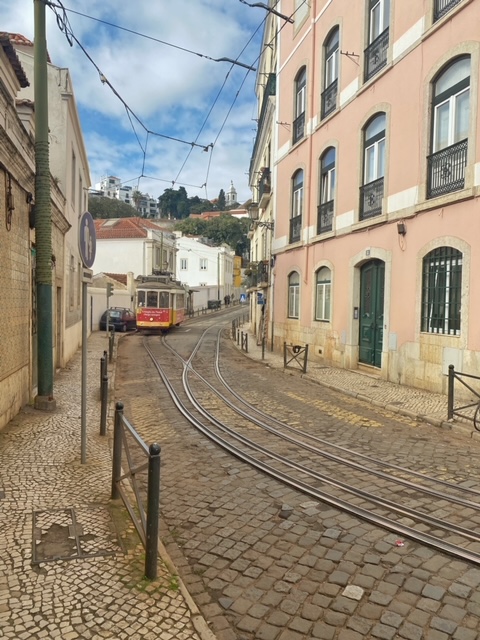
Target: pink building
<point x="375" y="185"/>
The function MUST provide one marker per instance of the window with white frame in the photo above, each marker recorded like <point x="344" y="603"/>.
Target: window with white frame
<point x="371" y="193"/>
<point x="297" y="206"/>
<point x="323" y="294"/>
<point x="329" y="95"/>
<point x="327" y="191"/>
<point x="203" y="264"/>
<point x="300" y="100"/>
<point x="378" y="37"/>
<point x="183" y="264"/>
<point x="302" y="8"/>
<point x="450" y="128"/>
<point x="293" y="295"/>
<point x="442" y="291"/>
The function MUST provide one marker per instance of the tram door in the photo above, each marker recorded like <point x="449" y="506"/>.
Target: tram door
<point x="372" y="288"/>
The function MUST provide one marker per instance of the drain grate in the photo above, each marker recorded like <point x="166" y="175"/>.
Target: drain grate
<point x="72" y="534"/>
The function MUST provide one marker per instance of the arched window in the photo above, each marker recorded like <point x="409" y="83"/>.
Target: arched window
<point x="293" y="295"/>
<point x="297" y="206"/>
<point x="327" y="191"/>
<point x="451" y="117"/>
<point x="442" y="291"/>
<point x="378" y="37"/>
<point x="330" y="82"/>
<point x="300" y="99"/>
<point x="373" y="167"/>
<point x="323" y="294"/>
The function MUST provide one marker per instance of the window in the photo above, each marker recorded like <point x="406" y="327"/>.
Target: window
<point x="293" y="294"/>
<point x="329" y="95"/>
<point x="301" y="10"/>
<point x="441" y="7"/>
<point x="152" y="298"/>
<point x="74" y="178"/>
<point x="376" y="52"/>
<point x="183" y="264"/>
<point x="371" y="193"/>
<point x="323" y="294"/>
<point x="203" y="264"/>
<point x="300" y="95"/>
<point x="71" y="283"/>
<point x="451" y="115"/>
<point x="297" y="206"/>
<point x="441" y="291"/>
<point x="327" y="191"/>
<point x="80" y="194"/>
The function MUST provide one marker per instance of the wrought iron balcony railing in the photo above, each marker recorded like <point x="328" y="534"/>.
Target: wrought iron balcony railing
<point x="442" y="7"/>
<point x="325" y="217"/>
<point x="376" y="55"/>
<point x="264" y="186"/>
<point x="262" y="273"/>
<point x="295" y="228"/>
<point x="299" y="128"/>
<point x="371" y="196"/>
<point x="446" y="169"/>
<point x="329" y="99"/>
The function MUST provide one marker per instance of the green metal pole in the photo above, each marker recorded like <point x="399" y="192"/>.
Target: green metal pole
<point x="43" y="215"/>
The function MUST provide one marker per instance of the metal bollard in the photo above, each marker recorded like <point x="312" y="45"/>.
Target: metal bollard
<point x="117" y="449"/>
<point x="263" y="348"/>
<point x="102" y="372"/>
<point x="111" y="342"/>
<point x="238" y="336"/>
<point x="451" y="391"/>
<point x="153" y="512"/>
<point x="104" y="406"/>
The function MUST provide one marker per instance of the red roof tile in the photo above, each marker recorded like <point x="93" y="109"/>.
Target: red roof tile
<point x="6" y="44"/>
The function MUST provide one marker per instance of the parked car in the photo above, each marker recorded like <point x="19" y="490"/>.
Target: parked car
<point x="119" y="318"/>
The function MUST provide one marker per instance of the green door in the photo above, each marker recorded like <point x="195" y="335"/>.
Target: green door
<point x="372" y="287"/>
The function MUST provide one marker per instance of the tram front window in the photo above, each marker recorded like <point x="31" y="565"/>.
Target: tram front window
<point x="151" y="298"/>
<point x="164" y="300"/>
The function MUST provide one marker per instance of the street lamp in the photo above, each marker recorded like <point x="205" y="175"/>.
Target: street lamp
<point x="253" y="213"/>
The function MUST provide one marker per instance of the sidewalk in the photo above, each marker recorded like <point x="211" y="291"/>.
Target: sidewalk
<point x="85" y="583"/>
<point x="413" y="403"/>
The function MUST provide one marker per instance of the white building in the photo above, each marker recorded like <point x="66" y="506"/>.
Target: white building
<point x="71" y="177"/>
<point x="133" y="244"/>
<point x="207" y="269"/>
<point x="112" y="187"/>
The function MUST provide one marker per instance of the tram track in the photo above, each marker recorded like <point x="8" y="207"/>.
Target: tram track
<point x="192" y="392"/>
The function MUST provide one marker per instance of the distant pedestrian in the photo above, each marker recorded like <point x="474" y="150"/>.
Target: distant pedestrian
<point x="226" y="301"/>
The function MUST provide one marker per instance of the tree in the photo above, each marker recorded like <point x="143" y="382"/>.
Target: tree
<point x="221" y="200"/>
<point x="193" y="227"/>
<point x="103" y="207"/>
<point x="224" y="229"/>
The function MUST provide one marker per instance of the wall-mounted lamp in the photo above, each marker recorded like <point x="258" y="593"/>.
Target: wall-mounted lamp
<point x="401" y="229"/>
<point x="253" y="213"/>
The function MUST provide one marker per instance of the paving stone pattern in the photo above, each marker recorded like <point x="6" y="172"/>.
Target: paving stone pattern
<point x="263" y="562"/>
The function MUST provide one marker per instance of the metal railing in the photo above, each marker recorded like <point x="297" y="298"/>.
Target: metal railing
<point x="270" y="90"/>
<point x="296" y="354"/>
<point x="469" y="411"/>
<point x="371" y="196"/>
<point x="442" y="7"/>
<point x="299" y="128"/>
<point x="144" y="517"/>
<point x="325" y="217"/>
<point x="329" y="98"/>
<point x="446" y="169"/>
<point x="295" y="228"/>
<point x="376" y="55"/>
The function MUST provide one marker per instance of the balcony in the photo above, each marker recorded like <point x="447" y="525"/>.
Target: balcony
<point x="442" y="7"/>
<point x="295" y="228"/>
<point x="270" y="90"/>
<point x="446" y="169"/>
<point x="299" y="128"/>
<point x="329" y="99"/>
<point x="262" y="273"/>
<point x="325" y="217"/>
<point x="376" y="55"/>
<point x="371" y="196"/>
<point x="264" y="188"/>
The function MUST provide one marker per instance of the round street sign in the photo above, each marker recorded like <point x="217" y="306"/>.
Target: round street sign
<point x="87" y="239"/>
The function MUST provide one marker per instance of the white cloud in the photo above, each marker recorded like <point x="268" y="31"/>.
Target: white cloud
<point x="170" y="90"/>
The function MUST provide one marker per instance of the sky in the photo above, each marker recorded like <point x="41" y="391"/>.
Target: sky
<point x="162" y="87"/>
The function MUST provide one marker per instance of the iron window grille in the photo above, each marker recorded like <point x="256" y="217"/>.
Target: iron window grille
<point x="441" y="291"/>
<point x="299" y="128"/>
<point x="295" y="228"/>
<point x="325" y="217"/>
<point x="442" y="7"/>
<point x="446" y="169"/>
<point x="329" y="99"/>
<point x="376" y="55"/>
<point x="371" y="196"/>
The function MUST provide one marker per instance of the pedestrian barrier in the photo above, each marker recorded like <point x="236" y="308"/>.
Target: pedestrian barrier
<point x="104" y="405"/>
<point x="103" y="370"/>
<point x="296" y="354"/>
<point x="470" y="411"/>
<point x="244" y="342"/>
<point x="111" y="342"/>
<point x="144" y="517"/>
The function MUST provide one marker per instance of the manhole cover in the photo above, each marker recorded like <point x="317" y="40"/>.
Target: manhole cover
<point x="70" y="534"/>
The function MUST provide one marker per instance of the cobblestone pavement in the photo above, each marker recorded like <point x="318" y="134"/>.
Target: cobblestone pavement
<point x="51" y="506"/>
<point x="262" y="561"/>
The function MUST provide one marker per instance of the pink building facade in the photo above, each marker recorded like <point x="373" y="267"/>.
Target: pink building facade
<point x="376" y="178"/>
